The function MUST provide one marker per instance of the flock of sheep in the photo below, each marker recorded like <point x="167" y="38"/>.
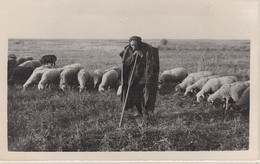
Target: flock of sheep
<point x="227" y="89"/>
<point x="204" y="84"/>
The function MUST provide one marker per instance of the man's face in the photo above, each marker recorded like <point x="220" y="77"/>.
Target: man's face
<point x="134" y="45"/>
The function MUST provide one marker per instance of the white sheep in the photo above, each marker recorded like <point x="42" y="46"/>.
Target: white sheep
<point x="36" y="63"/>
<point x="50" y="76"/>
<point x="97" y="77"/>
<point x="229" y="91"/>
<point x="34" y="78"/>
<point x="42" y="68"/>
<point x="85" y="78"/>
<point x="191" y="79"/>
<point x="27" y="64"/>
<point x="68" y="77"/>
<point x="197" y="86"/>
<point x="109" y="79"/>
<point x="213" y="85"/>
<point x="75" y="66"/>
<point x="174" y="75"/>
<point x="117" y="69"/>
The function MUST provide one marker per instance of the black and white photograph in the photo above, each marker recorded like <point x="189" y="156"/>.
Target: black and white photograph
<point x="130" y="77"/>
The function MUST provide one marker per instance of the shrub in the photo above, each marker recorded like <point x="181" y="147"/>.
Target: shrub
<point x="164" y="42"/>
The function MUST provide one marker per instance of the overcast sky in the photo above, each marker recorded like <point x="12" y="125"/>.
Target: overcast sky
<point x="119" y="19"/>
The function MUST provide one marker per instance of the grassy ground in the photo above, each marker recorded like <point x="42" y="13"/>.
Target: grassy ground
<point x="52" y="120"/>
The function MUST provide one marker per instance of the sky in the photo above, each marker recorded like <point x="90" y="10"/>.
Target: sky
<point x="120" y="19"/>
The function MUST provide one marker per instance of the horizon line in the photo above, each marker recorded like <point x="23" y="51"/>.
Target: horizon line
<point x="126" y="39"/>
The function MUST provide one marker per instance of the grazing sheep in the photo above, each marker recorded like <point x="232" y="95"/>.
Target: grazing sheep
<point x="85" y="78"/>
<point x="109" y="79"/>
<point x="36" y="63"/>
<point x="20" y="75"/>
<point x="75" y="66"/>
<point x="97" y="77"/>
<point x="20" y="60"/>
<point x="229" y="91"/>
<point x="46" y="59"/>
<point x="42" y="68"/>
<point x="117" y="69"/>
<point x="35" y="77"/>
<point x="175" y="75"/>
<point x="214" y="84"/>
<point x="68" y="77"/>
<point x="191" y="79"/>
<point x="11" y="65"/>
<point x="50" y="76"/>
<point x="194" y="88"/>
<point x="12" y="56"/>
<point x="244" y="101"/>
<point x="27" y="64"/>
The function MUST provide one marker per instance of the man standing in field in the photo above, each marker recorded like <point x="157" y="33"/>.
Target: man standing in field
<point x="144" y="83"/>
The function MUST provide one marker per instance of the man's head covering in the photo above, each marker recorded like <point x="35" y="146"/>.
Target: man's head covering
<point x="136" y="38"/>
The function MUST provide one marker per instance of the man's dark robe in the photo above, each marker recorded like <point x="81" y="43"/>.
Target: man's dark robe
<point x="144" y="84"/>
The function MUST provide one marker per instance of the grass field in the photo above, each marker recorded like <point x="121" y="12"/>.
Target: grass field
<point x="52" y="120"/>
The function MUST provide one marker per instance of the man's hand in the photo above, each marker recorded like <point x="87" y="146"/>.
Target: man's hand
<point x="139" y="53"/>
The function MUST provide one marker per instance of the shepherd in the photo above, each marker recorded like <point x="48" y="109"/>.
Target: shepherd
<point x="140" y="65"/>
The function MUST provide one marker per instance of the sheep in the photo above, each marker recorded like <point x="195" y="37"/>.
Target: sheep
<point x="229" y="91"/>
<point x="20" y="60"/>
<point x="75" y="66"/>
<point x="85" y="78"/>
<point x="109" y="79"/>
<point x="68" y="77"/>
<point x="191" y="79"/>
<point x="42" y="68"/>
<point x="197" y="86"/>
<point x="214" y="84"/>
<point x="117" y="69"/>
<point x="12" y="63"/>
<point x="175" y="75"/>
<point x="97" y="77"/>
<point x="27" y="58"/>
<point x="244" y="101"/>
<point x="50" y="76"/>
<point x="12" y="56"/>
<point x="36" y="63"/>
<point x="27" y="64"/>
<point x="35" y="77"/>
<point x="46" y="59"/>
<point x="20" y="75"/>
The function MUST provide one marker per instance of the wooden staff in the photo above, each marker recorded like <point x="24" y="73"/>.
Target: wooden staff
<point x="127" y="92"/>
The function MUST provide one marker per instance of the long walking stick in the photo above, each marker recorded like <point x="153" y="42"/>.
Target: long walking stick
<point x="127" y="92"/>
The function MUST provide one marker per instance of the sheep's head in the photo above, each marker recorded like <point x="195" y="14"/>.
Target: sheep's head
<point x="101" y="88"/>
<point x="63" y="87"/>
<point x="199" y="96"/>
<point x="25" y="86"/>
<point x="160" y="84"/>
<point x="81" y="89"/>
<point x="210" y="100"/>
<point x="188" y="90"/>
<point x="40" y="86"/>
<point x="178" y="88"/>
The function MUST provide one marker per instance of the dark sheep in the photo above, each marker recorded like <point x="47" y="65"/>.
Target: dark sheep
<point x="20" y="75"/>
<point x="244" y="101"/>
<point x="20" y="60"/>
<point x="11" y="65"/>
<point x="12" y="56"/>
<point x="46" y="59"/>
